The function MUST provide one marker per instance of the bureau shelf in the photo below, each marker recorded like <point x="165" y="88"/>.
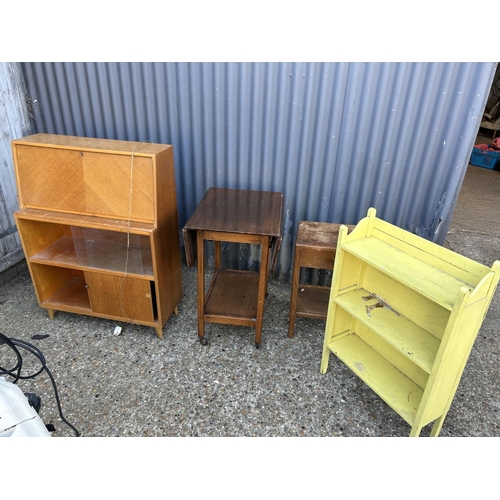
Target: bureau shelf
<point x="72" y="296"/>
<point x="403" y="314"/>
<point x="112" y="257"/>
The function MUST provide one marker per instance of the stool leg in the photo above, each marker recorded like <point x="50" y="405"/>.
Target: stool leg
<point x="295" y="290"/>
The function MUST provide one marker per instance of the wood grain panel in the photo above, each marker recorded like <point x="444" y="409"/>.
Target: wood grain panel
<point x="239" y="211"/>
<point x="50" y="178"/>
<point x="119" y="185"/>
<point x="127" y="298"/>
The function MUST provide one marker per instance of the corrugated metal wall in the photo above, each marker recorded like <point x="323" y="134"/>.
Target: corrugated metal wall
<point x="335" y="138"/>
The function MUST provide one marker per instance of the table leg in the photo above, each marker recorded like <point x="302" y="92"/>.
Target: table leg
<point x="217" y="254"/>
<point x="201" y="286"/>
<point x="263" y="278"/>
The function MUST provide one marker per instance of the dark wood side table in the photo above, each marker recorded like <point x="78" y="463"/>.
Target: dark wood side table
<point x="234" y="297"/>
<point x="315" y="248"/>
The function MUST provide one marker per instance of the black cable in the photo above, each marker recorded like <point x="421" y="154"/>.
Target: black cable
<point x="15" y="372"/>
<point x="18" y="366"/>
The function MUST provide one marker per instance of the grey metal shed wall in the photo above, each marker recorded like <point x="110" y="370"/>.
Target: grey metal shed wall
<point x="14" y="122"/>
<point x="335" y="138"/>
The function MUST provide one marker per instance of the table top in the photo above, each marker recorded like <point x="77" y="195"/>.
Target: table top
<point x="239" y="211"/>
<point x="321" y="235"/>
<point x="236" y="211"/>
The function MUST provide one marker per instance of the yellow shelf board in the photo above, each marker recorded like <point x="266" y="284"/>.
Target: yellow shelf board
<point x="397" y="390"/>
<point x="427" y="280"/>
<point x="415" y="343"/>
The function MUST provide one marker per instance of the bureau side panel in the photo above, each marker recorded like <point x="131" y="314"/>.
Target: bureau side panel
<point x="166" y="238"/>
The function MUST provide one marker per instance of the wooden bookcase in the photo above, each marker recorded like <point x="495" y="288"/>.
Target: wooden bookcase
<point x="403" y="315"/>
<point x="99" y="227"/>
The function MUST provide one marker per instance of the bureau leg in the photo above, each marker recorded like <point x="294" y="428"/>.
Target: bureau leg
<point x="51" y="313"/>
<point x="159" y="332"/>
<point x="176" y="311"/>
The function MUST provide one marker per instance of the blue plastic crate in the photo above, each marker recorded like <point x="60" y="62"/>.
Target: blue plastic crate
<point x="485" y="159"/>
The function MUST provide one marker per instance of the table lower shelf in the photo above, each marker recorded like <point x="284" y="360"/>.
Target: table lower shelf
<point x="397" y="390"/>
<point x="232" y="298"/>
<point x="312" y="301"/>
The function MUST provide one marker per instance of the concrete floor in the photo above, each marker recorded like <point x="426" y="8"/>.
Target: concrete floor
<point x="138" y="385"/>
<point x="477" y="205"/>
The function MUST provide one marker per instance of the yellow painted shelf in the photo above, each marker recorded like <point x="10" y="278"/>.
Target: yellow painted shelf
<point x="413" y="341"/>
<point x="400" y="392"/>
<point x="425" y="279"/>
<point x="403" y="314"/>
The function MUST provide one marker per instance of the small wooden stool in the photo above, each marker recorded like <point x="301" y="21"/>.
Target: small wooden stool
<point x="315" y="247"/>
